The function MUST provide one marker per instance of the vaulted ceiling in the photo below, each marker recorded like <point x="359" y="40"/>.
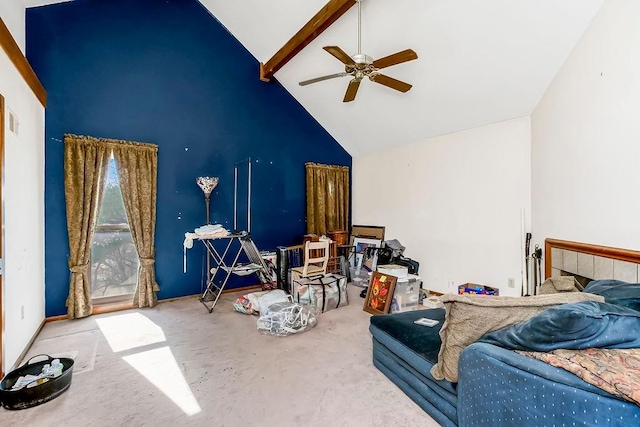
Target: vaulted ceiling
<point x="480" y="62"/>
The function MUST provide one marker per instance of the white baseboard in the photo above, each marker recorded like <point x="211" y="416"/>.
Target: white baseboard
<point x="28" y="347"/>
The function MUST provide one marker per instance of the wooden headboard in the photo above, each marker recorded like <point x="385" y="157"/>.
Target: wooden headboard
<point x="590" y="261"/>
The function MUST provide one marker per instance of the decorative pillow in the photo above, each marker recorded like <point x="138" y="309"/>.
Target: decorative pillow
<point x="576" y="326"/>
<point x="469" y="317"/>
<point x="617" y="292"/>
<point x="556" y="284"/>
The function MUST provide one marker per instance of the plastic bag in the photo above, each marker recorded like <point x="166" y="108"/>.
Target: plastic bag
<point x="272" y="297"/>
<point x="286" y="318"/>
<point x="396" y="247"/>
<point x="254" y="302"/>
<point x="324" y="293"/>
<point x="242" y="304"/>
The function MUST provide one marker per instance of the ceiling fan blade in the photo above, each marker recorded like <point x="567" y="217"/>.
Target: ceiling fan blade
<point x="352" y="89"/>
<point x="390" y="82"/>
<point x="396" y="58"/>
<point x="319" y="79"/>
<point x="340" y="54"/>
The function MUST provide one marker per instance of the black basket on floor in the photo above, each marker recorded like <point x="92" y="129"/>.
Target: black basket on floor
<point x="28" y="397"/>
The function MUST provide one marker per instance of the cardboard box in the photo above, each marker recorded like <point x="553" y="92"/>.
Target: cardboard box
<point x="472" y="288"/>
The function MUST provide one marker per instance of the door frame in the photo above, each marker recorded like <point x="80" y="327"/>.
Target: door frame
<point x="1" y="233"/>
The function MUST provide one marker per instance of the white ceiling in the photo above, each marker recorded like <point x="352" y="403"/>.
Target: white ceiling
<point x="480" y="62"/>
<point x="34" y="3"/>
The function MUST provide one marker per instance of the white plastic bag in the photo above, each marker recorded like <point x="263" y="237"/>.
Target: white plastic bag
<point x="286" y="318"/>
<point x="272" y="297"/>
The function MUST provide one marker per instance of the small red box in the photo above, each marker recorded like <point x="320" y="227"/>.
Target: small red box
<point x="472" y="288"/>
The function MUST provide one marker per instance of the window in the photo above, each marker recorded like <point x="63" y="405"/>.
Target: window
<point x="114" y="260"/>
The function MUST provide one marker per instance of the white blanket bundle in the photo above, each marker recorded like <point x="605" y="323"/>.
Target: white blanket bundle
<point x="209" y="231"/>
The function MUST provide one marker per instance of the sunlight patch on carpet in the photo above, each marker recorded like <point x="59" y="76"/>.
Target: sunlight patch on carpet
<point x="128" y="331"/>
<point x="160" y="368"/>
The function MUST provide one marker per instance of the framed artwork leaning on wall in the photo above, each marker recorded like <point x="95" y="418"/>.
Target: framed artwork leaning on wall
<point x="379" y="293"/>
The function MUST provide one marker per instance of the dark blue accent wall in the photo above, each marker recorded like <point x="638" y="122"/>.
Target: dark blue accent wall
<point x="167" y="72"/>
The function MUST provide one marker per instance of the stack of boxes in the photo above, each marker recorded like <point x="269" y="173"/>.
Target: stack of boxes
<point x="406" y="295"/>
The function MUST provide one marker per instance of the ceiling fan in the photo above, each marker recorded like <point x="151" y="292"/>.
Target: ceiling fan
<point x="360" y="66"/>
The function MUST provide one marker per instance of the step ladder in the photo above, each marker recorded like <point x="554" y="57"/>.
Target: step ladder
<point x="225" y="264"/>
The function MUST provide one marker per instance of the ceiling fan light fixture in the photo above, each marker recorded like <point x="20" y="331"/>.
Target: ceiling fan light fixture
<point x="361" y="58"/>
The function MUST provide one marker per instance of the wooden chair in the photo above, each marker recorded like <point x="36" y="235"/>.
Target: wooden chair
<point x="316" y="258"/>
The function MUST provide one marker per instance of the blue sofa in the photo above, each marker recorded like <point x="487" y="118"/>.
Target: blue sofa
<point x="496" y="386"/>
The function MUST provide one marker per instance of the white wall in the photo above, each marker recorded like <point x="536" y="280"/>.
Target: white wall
<point x="454" y="202"/>
<point x="586" y="137"/>
<point x="12" y="13"/>
<point x="23" y="209"/>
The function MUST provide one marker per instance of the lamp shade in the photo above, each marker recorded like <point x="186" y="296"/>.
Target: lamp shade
<point x="207" y="184"/>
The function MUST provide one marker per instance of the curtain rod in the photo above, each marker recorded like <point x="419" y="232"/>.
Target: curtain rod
<point x="325" y="166"/>
<point x="109" y="141"/>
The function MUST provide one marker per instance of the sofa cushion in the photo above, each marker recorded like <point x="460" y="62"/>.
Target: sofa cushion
<point x="469" y="317"/>
<point x="617" y="292"/>
<point x="576" y="326"/>
<point x="423" y="340"/>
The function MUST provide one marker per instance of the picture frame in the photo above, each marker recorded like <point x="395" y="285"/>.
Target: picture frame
<point x="368" y="231"/>
<point x="379" y="293"/>
<point x="365" y="258"/>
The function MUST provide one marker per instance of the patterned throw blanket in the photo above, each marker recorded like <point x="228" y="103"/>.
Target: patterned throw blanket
<point x="616" y="371"/>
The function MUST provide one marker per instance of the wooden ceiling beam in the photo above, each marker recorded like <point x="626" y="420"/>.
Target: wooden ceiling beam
<point x="329" y="13"/>
<point x="15" y="55"/>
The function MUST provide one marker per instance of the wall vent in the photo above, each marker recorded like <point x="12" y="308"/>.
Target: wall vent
<point x="14" y="124"/>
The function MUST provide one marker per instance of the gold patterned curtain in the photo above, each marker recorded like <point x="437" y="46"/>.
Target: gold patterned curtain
<point x="327" y="198"/>
<point x="138" y="170"/>
<point x="85" y="171"/>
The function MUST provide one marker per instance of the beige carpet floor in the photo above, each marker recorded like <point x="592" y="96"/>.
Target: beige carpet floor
<point x="177" y="364"/>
